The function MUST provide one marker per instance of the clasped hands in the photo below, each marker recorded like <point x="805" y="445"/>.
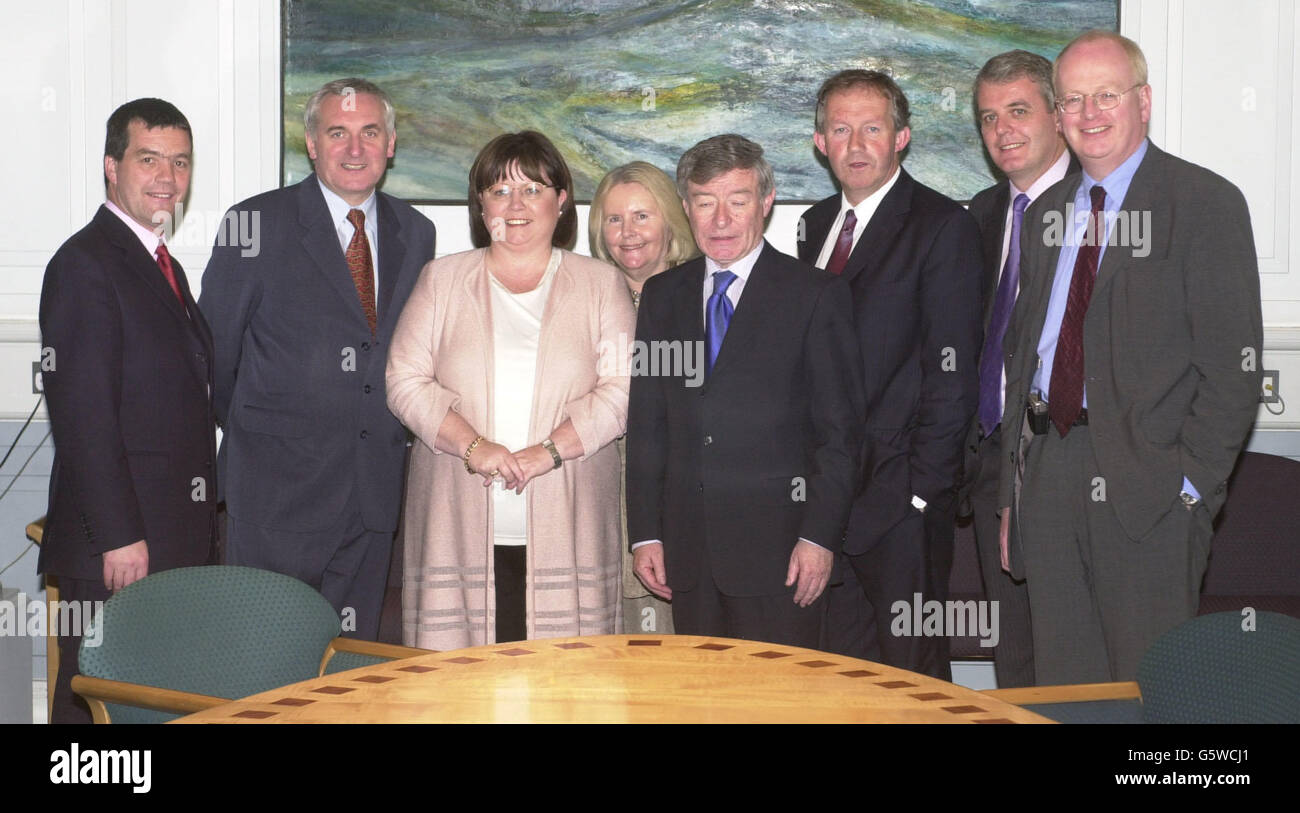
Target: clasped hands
<point x="490" y="460"/>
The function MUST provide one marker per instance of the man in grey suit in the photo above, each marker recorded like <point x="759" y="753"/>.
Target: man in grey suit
<point x="311" y="460"/>
<point x="1132" y="375"/>
<point x="1015" y="109"/>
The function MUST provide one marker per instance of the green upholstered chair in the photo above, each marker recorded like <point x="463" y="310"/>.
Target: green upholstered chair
<point x="184" y="640"/>
<point x="1211" y="670"/>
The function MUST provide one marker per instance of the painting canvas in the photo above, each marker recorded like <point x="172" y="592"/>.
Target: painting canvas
<point x="611" y="81"/>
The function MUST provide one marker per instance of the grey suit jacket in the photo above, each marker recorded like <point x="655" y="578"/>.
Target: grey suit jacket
<point x="299" y="378"/>
<point x="1171" y="340"/>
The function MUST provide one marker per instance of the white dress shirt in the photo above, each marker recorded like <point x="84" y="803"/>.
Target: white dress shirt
<point x="339" y="209"/>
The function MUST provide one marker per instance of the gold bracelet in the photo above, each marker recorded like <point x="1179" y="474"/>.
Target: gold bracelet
<point x="470" y="451"/>
<point x="549" y="445"/>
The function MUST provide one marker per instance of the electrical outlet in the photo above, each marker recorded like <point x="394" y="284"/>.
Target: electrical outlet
<point x="1269" y="393"/>
<point x="38" y="386"/>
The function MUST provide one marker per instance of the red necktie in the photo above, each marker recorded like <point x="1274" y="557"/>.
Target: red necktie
<point x="1066" y="388"/>
<point x="363" y="275"/>
<point x="165" y="264"/>
<point x="843" y="244"/>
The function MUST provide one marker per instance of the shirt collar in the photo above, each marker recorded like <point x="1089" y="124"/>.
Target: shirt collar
<point x="339" y="208"/>
<point x="868" y="205"/>
<point x="147" y="236"/>
<point x="1116" y="183"/>
<point x="741" y="268"/>
<point x="1053" y="174"/>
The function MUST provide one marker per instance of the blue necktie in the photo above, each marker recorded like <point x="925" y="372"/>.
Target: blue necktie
<point x="718" y="315"/>
<point x="991" y="358"/>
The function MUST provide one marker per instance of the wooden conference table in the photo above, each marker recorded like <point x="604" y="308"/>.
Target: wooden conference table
<point x="622" y="679"/>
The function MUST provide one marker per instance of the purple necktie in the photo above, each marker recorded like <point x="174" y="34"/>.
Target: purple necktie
<point x="718" y="314"/>
<point x="843" y="244"/>
<point x="1066" y="390"/>
<point x="991" y="357"/>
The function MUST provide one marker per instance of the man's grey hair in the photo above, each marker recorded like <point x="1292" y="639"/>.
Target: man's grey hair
<point x="347" y="87"/>
<point x="719" y="155"/>
<point x="1012" y="66"/>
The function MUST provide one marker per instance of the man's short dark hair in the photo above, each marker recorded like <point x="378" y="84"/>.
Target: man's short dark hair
<point x="1012" y="66"/>
<point x="856" y="78"/>
<point x="152" y="113"/>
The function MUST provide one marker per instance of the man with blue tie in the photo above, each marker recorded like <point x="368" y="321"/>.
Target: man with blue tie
<point x="738" y="490"/>
<point x="1132" y="376"/>
<point x="1015" y="109"/>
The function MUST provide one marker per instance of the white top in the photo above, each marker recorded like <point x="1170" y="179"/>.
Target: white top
<point x="516" y="329"/>
<point x="864" y="211"/>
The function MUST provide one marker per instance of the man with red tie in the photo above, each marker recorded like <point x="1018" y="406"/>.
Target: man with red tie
<point x="311" y="459"/>
<point x="910" y="257"/>
<point x="1132" y="376"/>
<point x="127" y="381"/>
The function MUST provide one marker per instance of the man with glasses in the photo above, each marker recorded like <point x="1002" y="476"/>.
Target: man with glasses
<point x="1132" y="376"/>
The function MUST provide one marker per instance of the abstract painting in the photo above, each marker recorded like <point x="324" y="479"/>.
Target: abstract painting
<point x="611" y="81"/>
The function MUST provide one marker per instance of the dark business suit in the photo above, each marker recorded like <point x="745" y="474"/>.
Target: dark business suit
<point x="128" y="396"/>
<point x="311" y="458"/>
<point x="1013" y="657"/>
<point x="731" y="474"/>
<point x="914" y="275"/>
<point x="1171" y="344"/>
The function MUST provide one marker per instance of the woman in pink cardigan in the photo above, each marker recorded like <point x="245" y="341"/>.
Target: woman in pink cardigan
<point x="510" y="363"/>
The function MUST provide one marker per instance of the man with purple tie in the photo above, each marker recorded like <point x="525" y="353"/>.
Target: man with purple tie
<point x="1015" y="110"/>
<point x="1132" y="376"/>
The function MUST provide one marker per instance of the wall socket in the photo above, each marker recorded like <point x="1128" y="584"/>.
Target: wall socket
<point x="38" y="386"/>
<point x="1269" y="392"/>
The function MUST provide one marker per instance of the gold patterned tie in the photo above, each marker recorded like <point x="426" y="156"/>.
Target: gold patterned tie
<point x="363" y="271"/>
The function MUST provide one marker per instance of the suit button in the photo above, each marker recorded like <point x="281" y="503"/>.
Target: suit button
<point x="701" y="488"/>
<point x="364" y="434"/>
<point x="708" y="439"/>
<point x="366" y="389"/>
<point x="365" y="345"/>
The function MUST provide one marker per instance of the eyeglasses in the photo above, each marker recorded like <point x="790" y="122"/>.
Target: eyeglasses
<point x="1105" y="100"/>
<point x="532" y="190"/>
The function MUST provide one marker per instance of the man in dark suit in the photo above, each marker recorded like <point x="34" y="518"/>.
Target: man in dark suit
<point x="911" y="258"/>
<point x="1015" y="110"/>
<point x="127" y="384"/>
<point x="311" y="458"/>
<point x="1141" y="335"/>
<point x="738" y="489"/>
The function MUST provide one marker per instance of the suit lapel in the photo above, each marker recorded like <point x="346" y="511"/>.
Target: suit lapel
<point x="688" y="302"/>
<point x="1144" y="193"/>
<point x="392" y="256"/>
<point x="137" y="258"/>
<point x="1038" y="287"/>
<point x="994" y="231"/>
<point x="320" y="240"/>
<point x="817" y="222"/>
<point x="189" y="320"/>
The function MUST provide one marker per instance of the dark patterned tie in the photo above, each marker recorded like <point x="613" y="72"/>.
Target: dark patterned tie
<point x="718" y="313"/>
<point x="991" y="356"/>
<point x="843" y="244"/>
<point x="1066" y="389"/>
<point x="164" y="259"/>
<point x="363" y="270"/>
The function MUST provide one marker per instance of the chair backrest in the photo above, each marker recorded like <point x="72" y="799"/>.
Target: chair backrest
<point x="216" y="630"/>
<point x="1213" y="669"/>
